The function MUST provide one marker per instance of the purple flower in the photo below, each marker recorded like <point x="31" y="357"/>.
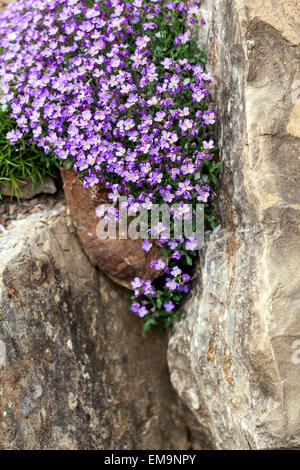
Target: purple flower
<point x="191" y="243"/>
<point x="169" y="306"/>
<point x="173" y="244"/>
<point x="148" y="289"/>
<point x="136" y="283"/>
<point x="176" y="271"/>
<point x="142" y="42"/>
<point x="193" y="9"/>
<point x="185" y="278"/>
<point x="135" y="307"/>
<point x="82" y="79"/>
<point x="209" y="117"/>
<point x="170" y="5"/>
<point x="158" y="264"/>
<point x="142" y="312"/>
<point x="146" y="246"/>
<point x="14" y="136"/>
<point x="186" y="124"/>
<point x="208" y="145"/>
<point x="171" y="284"/>
<point x="203" y="196"/>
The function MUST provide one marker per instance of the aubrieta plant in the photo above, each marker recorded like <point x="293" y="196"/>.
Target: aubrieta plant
<point x="23" y="160"/>
<point x="118" y="90"/>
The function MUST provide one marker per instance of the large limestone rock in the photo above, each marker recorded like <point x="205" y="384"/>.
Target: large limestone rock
<point x="234" y="359"/>
<point x="76" y="371"/>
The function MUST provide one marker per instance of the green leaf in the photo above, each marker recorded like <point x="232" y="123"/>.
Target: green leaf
<point x="189" y="260"/>
<point x="148" y="323"/>
<point x="68" y="164"/>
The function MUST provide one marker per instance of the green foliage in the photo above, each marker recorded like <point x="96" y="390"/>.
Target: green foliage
<point x="27" y="160"/>
<point x="23" y="160"/>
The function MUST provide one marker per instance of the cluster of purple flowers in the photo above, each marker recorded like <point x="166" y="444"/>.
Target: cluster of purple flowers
<point x="86" y="80"/>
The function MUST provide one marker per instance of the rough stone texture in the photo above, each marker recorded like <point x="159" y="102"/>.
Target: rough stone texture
<point x="28" y="189"/>
<point x="121" y="260"/>
<point x="232" y="357"/>
<point x="4" y="3"/>
<point x="76" y="371"/>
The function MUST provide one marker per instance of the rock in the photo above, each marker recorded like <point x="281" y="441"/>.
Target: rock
<point x="4" y="3"/>
<point x="121" y="260"/>
<point x="76" y="371"/>
<point x="11" y="209"/>
<point x="28" y="189"/>
<point x="234" y="357"/>
<point x="293" y="126"/>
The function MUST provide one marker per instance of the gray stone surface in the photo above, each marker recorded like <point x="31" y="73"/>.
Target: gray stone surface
<point x="234" y="359"/>
<point x="76" y="371"/>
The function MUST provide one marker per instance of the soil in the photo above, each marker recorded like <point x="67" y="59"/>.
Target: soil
<point x="11" y="209"/>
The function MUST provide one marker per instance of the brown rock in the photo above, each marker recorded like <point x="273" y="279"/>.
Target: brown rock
<point x="76" y="371"/>
<point x="121" y="260"/>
